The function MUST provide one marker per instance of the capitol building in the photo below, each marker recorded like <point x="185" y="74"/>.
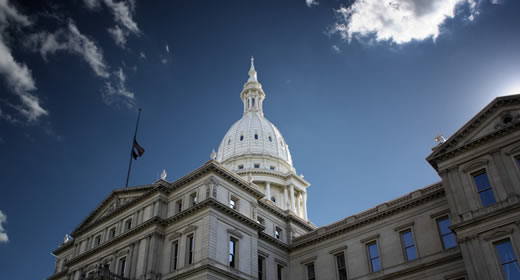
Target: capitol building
<point x="243" y="215"/>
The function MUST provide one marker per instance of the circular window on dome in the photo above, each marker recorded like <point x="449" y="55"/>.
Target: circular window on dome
<point x="241" y="137"/>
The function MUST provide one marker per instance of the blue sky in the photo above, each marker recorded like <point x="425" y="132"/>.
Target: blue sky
<point x="359" y="90"/>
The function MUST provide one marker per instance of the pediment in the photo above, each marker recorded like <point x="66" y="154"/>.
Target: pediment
<point x="114" y="201"/>
<point x="499" y="115"/>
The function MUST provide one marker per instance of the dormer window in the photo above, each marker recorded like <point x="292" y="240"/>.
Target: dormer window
<point x="256" y="136"/>
<point x="241" y="166"/>
<point x="270" y="139"/>
<point x="257" y="165"/>
<point x="241" y="137"/>
<point x="272" y="167"/>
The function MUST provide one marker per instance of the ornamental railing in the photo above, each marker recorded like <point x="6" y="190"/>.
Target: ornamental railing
<point x="102" y="273"/>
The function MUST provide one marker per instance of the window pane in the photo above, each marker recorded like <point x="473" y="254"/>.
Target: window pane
<point x="444" y="224"/>
<point x="376" y="265"/>
<point x="482" y="181"/>
<point x="511" y="271"/>
<point x="341" y="261"/>
<point x="372" y="248"/>
<point x="411" y="253"/>
<point x="449" y="241"/>
<point x="505" y="251"/>
<point x="487" y="197"/>
<point x="407" y="239"/>
<point x="310" y="271"/>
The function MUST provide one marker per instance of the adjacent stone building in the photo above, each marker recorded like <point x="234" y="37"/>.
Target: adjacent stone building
<point x="243" y="215"/>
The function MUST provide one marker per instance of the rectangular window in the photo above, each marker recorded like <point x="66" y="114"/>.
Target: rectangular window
<point x="257" y="165"/>
<point x="278" y="233"/>
<point x="193" y="199"/>
<point x="508" y="259"/>
<point x="97" y="240"/>
<point x="447" y="236"/>
<point x="112" y="233"/>
<point x="373" y="255"/>
<point x="178" y="206"/>
<point x="279" y="272"/>
<point x="233" y="203"/>
<point x="128" y="224"/>
<point x="342" y="267"/>
<point x="408" y="245"/>
<point x="484" y="188"/>
<point x="260" y="220"/>
<point x="261" y="268"/>
<point x="241" y="167"/>
<point x="122" y="266"/>
<point x="175" y="255"/>
<point x="311" y="275"/>
<point x="233" y="250"/>
<point x="189" y="249"/>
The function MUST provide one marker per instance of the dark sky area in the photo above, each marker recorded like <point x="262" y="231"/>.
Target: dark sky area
<point x="358" y="92"/>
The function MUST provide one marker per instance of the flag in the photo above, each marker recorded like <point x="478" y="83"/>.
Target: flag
<point x="137" y="150"/>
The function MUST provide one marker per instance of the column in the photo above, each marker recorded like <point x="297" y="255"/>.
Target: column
<point x="268" y="190"/>
<point x="285" y="198"/>
<point x="305" y="205"/>
<point x="292" y="197"/>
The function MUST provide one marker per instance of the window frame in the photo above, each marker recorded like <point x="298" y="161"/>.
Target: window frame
<point x="234" y="262"/>
<point x="368" y="243"/>
<point x="403" y="248"/>
<point x="194" y="198"/>
<point x="262" y="270"/>
<point x="478" y="172"/>
<point x="498" y="261"/>
<point x="110" y="230"/>
<point x="233" y="198"/>
<point x="307" y="266"/>
<point x="189" y="257"/>
<point x="174" y="258"/>
<point x="126" y="222"/>
<point x="179" y="205"/>
<point x="336" y="264"/>
<point x="122" y="272"/>
<point x="279" y="271"/>
<point x="280" y="233"/>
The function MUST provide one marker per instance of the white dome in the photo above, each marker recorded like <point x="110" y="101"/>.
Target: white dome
<point x="253" y="142"/>
<point x="254" y="135"/>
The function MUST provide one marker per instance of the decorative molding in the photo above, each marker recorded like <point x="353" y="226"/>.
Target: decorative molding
<point x="404" y="226"/>
<point x="174" y="236"/>
<point x="438" y="214"/>
<point x="123" y="252"/>
<point x="370" y="238"/>
<point x="235" y="233"/>
<point x="189" y="229"/>
<point x="497" y="233"/>
<point x="338" y="250"/>
<point x="280" y="261"/>
<point x="309" y="260"/>
<point x="263" y="253"/>
<point x="480" y="163"/>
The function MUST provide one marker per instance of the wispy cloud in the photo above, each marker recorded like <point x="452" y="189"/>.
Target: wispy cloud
<point x="164" y="61"/>
<point x="123" y="13"/>
<point x="115" y="90"/>
<point x="3" y="219"/>
<point x="70" y="40"/>
<point x="397" y="21"/>
<point x="142" y="55"/>
<point x="167" y="48"/>
<point x="311" y="3"/>
<point x="16" y="74"/>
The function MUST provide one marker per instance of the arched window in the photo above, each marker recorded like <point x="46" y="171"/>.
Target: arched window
<point x="253" y="102"/>
<point x="256" y="136"/>
<point x="241" y="137"/>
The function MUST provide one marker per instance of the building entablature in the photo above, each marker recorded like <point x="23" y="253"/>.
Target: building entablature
<point x="377" y="213"/>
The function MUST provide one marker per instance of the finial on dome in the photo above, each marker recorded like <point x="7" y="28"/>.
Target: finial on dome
<point x="164" y="174"/>
<point x="252" y="71"/>
<point x="213" y="155"/>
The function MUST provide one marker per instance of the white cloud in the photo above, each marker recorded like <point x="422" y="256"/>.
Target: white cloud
<point x="17" y="75"/>
<point x="164" y="61"/>
<point x="336" y="49"/>
<point x="167" y="48"/>
<point x="115" y="89"/>
<point x="3" y="219"/>
<point x="398" y="21"/>
<point x="123" y="12"/>
<point x="71" y="40"/>
<point x="311" y="3"/>
<point x="119" y="35"/>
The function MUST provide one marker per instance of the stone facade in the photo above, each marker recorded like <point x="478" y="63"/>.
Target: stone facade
<point x="233" y="219"/>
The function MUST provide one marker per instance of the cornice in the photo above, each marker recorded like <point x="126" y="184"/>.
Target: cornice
<point x="264" y="236"/>
<point x="410" y="200"/>
<point x="63" y="272"/>
<point x="286" y="215"/>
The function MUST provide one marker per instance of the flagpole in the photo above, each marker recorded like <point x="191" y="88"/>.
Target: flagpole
<point x="131" y="149"/>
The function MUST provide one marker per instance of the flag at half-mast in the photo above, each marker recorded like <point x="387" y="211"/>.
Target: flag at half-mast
<point x="137" y="150"/>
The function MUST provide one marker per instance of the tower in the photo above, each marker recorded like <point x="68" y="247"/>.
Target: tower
<point x="255" y="149"/>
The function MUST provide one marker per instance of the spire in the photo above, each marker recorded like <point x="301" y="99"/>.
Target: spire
<point x="252" y="71"/>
